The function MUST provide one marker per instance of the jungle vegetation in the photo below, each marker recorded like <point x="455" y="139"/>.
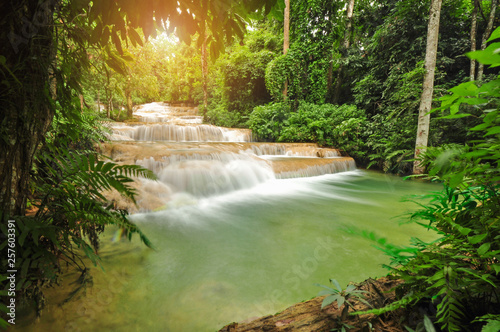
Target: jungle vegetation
<point x="350" y="76"/>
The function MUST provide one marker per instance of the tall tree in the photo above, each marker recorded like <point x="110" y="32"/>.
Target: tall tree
<point x="345" y="48"/>
<point x="28" y="67"/>
<point x="204" y="56"/>
<point x="473" y="34"/>
<point x="486" y="35"/>
<point x="286" y="39"/>
<point x="428" y="85"/>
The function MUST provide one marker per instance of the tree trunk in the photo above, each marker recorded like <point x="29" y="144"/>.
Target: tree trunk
<point x="128" y="96"/>
<point x="473" y="33"/>
<point x="486" y="35"/>
<point x="428" y="86"/>
<point x="120" y="107"/>
<point x="27" y="110"/>
<point x="286" y="39"/>
<point x="80" y="96"/>
<point x="204" y="56"/>
<point x="98" y="102"/>
<point x="130" y="105"/>
<point x="108" y="109"/>
<point x="347" y="43"/>
<point x="204" y="71"/>
<point x="110" y="106"/>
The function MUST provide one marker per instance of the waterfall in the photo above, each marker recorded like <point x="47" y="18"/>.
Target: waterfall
<point x="178" y="133"/>
<point x="194" y="161"/>
<point x="204" y="175"/>
<point x="336" y="166"/>
<point x="291" y="149"/>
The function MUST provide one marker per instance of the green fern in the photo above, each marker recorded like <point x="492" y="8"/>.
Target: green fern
<point x="67" y="190"/>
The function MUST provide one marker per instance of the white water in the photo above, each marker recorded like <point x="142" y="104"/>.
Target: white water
<point x="178" y="133"/>
<point x="210" y="169"/>
<point x="160" y="112"/>
<point x="283" y="149"/>
<point x="202" y="175"/>
<point x="174" y="124"/>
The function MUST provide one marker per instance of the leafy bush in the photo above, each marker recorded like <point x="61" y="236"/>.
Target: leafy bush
<point x="266" y="121"/>
<point x="390" y="143"/>
<point x="329" y="125"/>
<point x="219" y="115"/>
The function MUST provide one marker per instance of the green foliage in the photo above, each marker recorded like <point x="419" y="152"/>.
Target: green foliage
<point x="267" y="121"/>
<point x="391" y="143"/>
<point x="492" y="323"/>
<point x="343" y="297"/>
<point x="340" y="296"/>
<point x="306" y="79"/>
<point x="316" y="29"/>
<point x="168" y="66"/>
<point x="286" y="68"/>
<point x="177" y="68"/>
<point x="384" y="75"/>
<point x="391" y="131"/>
<point x="70" y="208"/>
<point x="238" y="80"/>
<point x="327" y="124"/>
<point x="460" y="273"/>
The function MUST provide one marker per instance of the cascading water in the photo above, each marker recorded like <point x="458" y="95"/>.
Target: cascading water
<point x="207" y="167"/>
<point x="177" y="133"/>
<point x="240" y="229"/>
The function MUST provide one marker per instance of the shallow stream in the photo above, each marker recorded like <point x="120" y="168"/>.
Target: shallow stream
<point x="236" y="254"/>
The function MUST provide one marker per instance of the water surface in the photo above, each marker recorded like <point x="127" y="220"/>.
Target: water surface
<point x="244" y="254"/>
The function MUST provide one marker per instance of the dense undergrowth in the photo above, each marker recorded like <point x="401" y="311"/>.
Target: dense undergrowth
<point x="68" y="209"/>
<point x="342" y="127"/>
<point x="459" y="274"/>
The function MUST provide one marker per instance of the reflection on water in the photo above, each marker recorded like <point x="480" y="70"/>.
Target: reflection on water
<point x="238" y="255"/>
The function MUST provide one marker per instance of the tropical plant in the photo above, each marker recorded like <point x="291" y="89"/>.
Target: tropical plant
<point x="460" y="273"/>
<point x="266" y="121"/>
<point x="69" y="207"/>
<point x="341" y="127"/>
<point x="341" y="296"/>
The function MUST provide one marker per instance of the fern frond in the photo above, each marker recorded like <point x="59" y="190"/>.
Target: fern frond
<point x="450" y="312"/>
